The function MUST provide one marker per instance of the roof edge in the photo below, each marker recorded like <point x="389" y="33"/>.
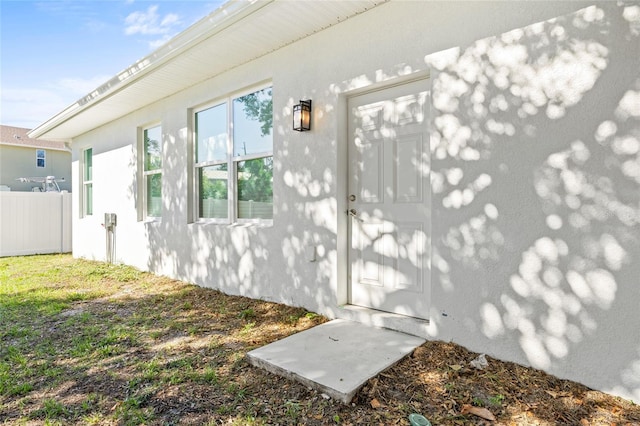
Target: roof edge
<point x="221" y="18"/>
<point x="33" y="145"/>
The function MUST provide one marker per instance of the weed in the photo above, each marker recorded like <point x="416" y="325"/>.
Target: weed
<point x="16" y="357"/>
<point x="176" y="377"/>
<point x="150" y="369"/>
<point x="248" y="327"/>
<point x="16" y="332"/>
<point x="238" y="392"/>
<point x="19" y="389"/>
<point x="224" y="410"/>
<point x="292" y="409"/>
<point x="222" y="307"/>
<point x="293" y="319"/>
<point x="478" y="402"/>
<point x="77" y="296"/>
<point x="81" y="346"/>
<point x="210" y="375"/>
<point x="106" y="351"/>
<point x="53" y="409"/>
<point x="93" y="419"/>
<point x="496" y="400"/>
<point x="129" y="413"/>
<point x="247" y="314"/>
<point x="156" y="334"/>
<point x="245" y="421"/>
<point x="51" y="371"/>
<point x="89" y="403"/>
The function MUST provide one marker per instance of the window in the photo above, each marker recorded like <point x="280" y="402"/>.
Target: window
<point x="87" y="182"/>
<point x="234" y="158"/>
<point x="152" y="171"/>
<point x="212" y="162"/>
<point x="40" y="158"/>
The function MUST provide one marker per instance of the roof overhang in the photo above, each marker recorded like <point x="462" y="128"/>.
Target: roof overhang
<point x="236" y="33"/>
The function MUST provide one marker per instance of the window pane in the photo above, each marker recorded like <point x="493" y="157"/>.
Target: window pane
<point x="153" y="148"/>
<point x="211" y="134"/>
<point x="213" y="199"/>
<point x="40" y="162"/>
<point x="154" y="195"/>
<point x="253" y="123"/>
<point x="88" y="199"/>
<point x="255" y="188"/>
<point x="88" y="165"/>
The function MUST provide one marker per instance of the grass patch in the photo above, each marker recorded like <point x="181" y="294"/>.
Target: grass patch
<point x="86" y="343"/>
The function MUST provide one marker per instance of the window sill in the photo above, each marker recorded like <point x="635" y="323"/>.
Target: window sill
<point x="264" y="223"/>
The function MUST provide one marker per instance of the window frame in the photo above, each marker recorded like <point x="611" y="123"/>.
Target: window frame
<point x="86" y="183"/>
<point x="231" y="160"/>
<point x="202" y="164"/>
<point x="147" y="174"/>
<point x="43" y="158"/>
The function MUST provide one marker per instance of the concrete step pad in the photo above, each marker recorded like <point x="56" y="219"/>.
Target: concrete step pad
<point x="336" y="357"/>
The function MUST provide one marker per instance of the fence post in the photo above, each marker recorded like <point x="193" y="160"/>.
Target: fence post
<point x="62" y="219"/>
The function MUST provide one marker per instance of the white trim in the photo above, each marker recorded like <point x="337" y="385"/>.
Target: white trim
<point x="44" y="158"/>
<point x="343" y="285"/>
<point x="85" y="183"/>
<point x="231" y="160"/>
<point x="144" y="174"/>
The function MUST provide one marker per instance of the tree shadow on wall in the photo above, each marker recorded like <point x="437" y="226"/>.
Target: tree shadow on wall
<point x="536" y="161"/>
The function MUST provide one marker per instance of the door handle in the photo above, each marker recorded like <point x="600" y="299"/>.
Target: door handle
<point x="354" y="214"/>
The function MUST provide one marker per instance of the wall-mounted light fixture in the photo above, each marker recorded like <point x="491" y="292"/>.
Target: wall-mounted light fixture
<point x="302" y="116"/>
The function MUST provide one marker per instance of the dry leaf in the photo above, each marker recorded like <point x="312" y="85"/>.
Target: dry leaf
<point x="455" y="367"/>
<point x="552" y="393"/>
<point x="584" y="422"/>
<point x="477" y="411"/>
<point x="375" y="403"/>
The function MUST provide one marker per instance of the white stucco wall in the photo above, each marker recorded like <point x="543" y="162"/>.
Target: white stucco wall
<point x="535" y="159"/>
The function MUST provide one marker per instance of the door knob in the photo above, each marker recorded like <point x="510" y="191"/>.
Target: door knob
<point x="354" y="214"/>
<point x="352" y="197"/>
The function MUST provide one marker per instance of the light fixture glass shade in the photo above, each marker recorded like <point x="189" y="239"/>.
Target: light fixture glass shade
<point x="302" y="116"/>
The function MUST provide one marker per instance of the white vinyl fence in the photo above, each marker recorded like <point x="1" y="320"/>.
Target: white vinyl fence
<point x="34" y="223"/>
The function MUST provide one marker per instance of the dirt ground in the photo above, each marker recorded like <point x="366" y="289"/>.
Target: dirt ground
<point x="166" y="353"/>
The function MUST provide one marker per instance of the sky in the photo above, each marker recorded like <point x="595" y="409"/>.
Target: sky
<point x="53" y="52"/>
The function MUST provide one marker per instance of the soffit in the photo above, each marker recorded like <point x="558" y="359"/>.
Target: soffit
<point x="235" y="34"/>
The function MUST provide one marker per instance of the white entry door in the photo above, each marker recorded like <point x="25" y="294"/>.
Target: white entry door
<point x="389" y="199"/>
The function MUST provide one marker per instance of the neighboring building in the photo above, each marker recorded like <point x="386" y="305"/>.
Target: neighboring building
<point x="22" y="156"/>
<point x="472" y="172"/>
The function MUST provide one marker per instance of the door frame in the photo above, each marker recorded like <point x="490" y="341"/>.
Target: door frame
<point x="343" y="237"/>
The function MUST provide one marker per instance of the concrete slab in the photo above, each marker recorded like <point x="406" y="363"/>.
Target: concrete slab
<point x="336" y="357"/>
